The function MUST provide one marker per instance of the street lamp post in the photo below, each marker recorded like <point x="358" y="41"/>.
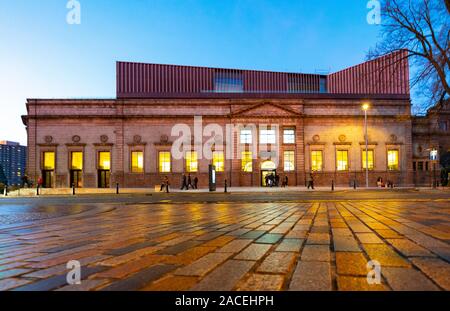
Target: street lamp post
<point x="365" y="107"/>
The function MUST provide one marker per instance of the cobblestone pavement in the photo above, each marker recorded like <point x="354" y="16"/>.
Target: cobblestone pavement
<point x="233" y="246"/>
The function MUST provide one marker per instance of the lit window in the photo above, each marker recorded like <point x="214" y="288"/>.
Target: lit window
<point x="77" y="160"/>
<point x="246" y="136"/>
<point x="342" y="160"/>
<point x="267" y="136"/>
<point x="316" y="160"/>
<point x="289" y="161"/>
<point x="247" y="161"/>
<point x="191" y="161"/>
<point x="218" y="161"/>
<point x="363" y="157"/>
<point x="392" y="160"/>
<point x="49" y="160"/>
<point x="289" y="136"/>
<point x="137" y="162"/>
<point x="164" y="162"/>
<point x="104" y="160"/>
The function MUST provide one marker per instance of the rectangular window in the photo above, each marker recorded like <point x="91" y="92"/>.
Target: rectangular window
<point x="323" y="85"/>
<point x="342" y="160"/>
<point x="137" y="162"/>
<point x="289" y="136"/>
<point x="191" y="161"/>
<point x="371" y="159"/>
<point x="104" y="160"/>
<point x="228" y="81"/>
<point x="247" y="161"/>
<point x="426" y="166"/>
<point x="218" y="161"/>
<point x="246" y="136"/>
<point x="289" y="161"/>
<point x="267" y="136"/>
<point x="316" y="160"/>
<point x="414" y="166"/>
<point x="392" y="160"/>
<point x="164" y="162"/>
<point x="420" y="166"/>
<point x="443" y="126"/>
<point x="49" y="160"/>
<point x="77" y="160"/>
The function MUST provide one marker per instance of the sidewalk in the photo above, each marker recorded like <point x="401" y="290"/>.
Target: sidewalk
<point x="143" y="191"/>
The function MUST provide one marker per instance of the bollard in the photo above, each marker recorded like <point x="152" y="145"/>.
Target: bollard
<point x="117" y="188"/>
<point x="354" y="184"/>
<point x="226" y="186"/>
<point x="6" y="190"/>
<point x="37" y="190"/>
<point x="332" y="185"/>
<point x="73" y="189"/>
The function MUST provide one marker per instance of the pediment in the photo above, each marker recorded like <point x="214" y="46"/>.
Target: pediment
<point x="266" y="110"/>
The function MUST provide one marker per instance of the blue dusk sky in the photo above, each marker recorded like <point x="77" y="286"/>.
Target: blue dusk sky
<point x="42" y="56"/>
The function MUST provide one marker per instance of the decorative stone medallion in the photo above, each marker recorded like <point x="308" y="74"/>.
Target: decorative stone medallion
<point x="48" y="139"/>
<point x="316" y="138"/>
<point x="393" y="138"/>
<point x="137" y="139"/>
<point x="76" y="138"/>
<point x="342" y="138"/>
<point x="164" y="139"/>
<point x="104" y="138"/>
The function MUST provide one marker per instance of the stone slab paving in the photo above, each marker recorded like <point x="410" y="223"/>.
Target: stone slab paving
<point x="233" y="246"/>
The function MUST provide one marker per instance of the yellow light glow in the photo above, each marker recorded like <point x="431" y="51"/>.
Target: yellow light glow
<point x="137" y="162"/>
<point x="393" y="160"/>
<point x="104" y="160"/>
<point x="365" y="106"/>
<point x="247" y="161"/>
<point x="316" y="160"/>
<point x="191" y="161"/>
<point x="77" y="160"/>
<point x="164" y="162"/>
<point x="49" y="160"/>
<point x="218" y="160"/>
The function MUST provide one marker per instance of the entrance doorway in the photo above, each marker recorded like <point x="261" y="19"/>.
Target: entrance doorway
<point x="268" y="173"/>
<point x="103" y="178"/>
<point x="47" y="178"/>
<point x="76" y="178"/>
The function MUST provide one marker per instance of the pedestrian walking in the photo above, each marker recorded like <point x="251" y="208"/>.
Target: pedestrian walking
<point x="184" y="182"/>
<point x="166" y="183"/>
<point x="310" y="180"/>
<point x="195" y="182"/>
<point x="40" y="182"/>
<point x="285" y="181"/>
<point x="189" y="182"/>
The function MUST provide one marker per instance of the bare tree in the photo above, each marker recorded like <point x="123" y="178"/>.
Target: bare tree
<point x="421" y="27"/>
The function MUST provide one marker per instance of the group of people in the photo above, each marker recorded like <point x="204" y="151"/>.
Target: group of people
<point x="273" y="180"/>
<point x="188" y="181"/>
<point x="382" y="184"/>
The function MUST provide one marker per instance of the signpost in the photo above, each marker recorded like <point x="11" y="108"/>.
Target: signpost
<point x="434" y="160"/>
<point x="212" y="178"/>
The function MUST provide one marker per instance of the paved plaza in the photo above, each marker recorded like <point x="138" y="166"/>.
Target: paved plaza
<point x="320" y="241"/>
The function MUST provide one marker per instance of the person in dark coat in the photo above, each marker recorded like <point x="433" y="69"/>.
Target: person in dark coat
<point x="310" y="181"/>
<point x="184" y="183"/>
<point x="285" y="181"/>
<point x="195" y="182"/>
<point x="189" y="182"/>
<point x="166" y="183"/>
<point x="277" y="180"/>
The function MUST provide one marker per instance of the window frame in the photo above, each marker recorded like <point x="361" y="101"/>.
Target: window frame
<point x="293" y="136"/>
<point x="292" y="161"/>
<point x="98" y="160"/>
<point x="246" y="136"/>
<point x="159" y="161"/>
<point x="347" y="160"/>
<point x="213" y="161"/>
<point x="266" y="136"/>
<point x="71" y="167"/>
<point x="363" y="163"/>
<point x="311" y="160"/>
<point x="248" y="159"/>
<point x="188" y="168"/>
<point x="398" y="159"/>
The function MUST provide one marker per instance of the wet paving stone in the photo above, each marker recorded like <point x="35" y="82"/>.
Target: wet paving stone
<point x="265" y="246"/>
<point x="269" y="238"/>
<point x="140" y="279"/>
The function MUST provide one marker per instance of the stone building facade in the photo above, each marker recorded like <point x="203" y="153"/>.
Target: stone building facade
<point x="304" y="123"/>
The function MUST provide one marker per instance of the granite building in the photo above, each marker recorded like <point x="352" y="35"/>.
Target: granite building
<point x="302" y="122"/>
